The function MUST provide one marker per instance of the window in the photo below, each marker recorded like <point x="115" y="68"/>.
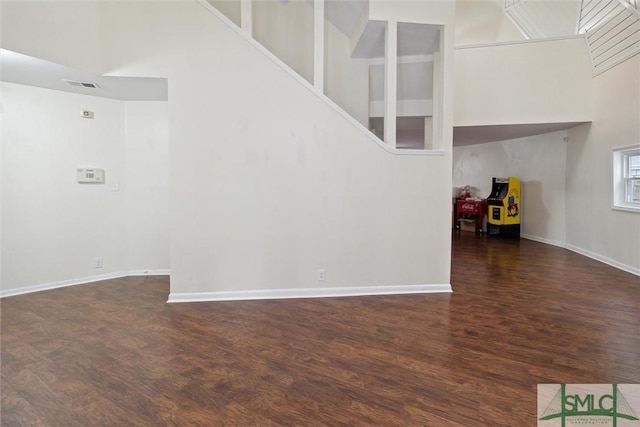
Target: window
<point x="626" y="178"/>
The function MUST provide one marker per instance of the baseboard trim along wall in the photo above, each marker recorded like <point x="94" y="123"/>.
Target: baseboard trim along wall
<point x="80" y="281"/>
<point x="162" y="272"/>
<point x="588" y="254"/>
<point x="295" y="293"/>
<point x="263" y="294"/>
<point x="609" y="261"/>
<point x="543" y="240"/>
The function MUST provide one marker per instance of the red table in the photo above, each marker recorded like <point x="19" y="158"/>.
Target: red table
<point x="475" y="209"/>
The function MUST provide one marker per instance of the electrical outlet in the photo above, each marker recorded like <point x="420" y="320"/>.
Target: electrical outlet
<point x="98" y="263"/>
<point x="321" y="275"/>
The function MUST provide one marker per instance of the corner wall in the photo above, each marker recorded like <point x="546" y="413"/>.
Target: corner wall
<point x="539" y="163"/>
<point x="53" y="228"/>
<point x="593" y="227"/>
<point x="146" y="191"/>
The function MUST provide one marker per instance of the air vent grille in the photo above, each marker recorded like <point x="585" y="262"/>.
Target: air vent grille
<point x="90" y="85"/>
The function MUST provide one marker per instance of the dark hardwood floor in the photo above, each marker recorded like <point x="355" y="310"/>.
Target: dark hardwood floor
<point x="522" y="313"/>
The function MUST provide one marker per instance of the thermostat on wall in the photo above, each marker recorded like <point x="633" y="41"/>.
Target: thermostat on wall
<point x="86" y="175"/>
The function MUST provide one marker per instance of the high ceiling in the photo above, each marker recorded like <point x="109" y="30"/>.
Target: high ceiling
<point x="476" y="21"/>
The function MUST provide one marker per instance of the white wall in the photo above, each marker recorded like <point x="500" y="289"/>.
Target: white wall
<point x="53" y="228"/>
<point x="530" y="82"/>
<point x="230" y="9"/>
<point x="73" y="26"/>
<point x="539" y="163"/>
<point x="268" y="182"/>
<point x="286" y="29"/>
<point x="146" y="191"/>
<point x="346" y="79"/>
<point x="483" y="21"/>
<point x="593" y="227"/>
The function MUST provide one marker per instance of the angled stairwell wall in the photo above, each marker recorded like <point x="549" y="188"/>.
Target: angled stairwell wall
<point x="269" y="183"/>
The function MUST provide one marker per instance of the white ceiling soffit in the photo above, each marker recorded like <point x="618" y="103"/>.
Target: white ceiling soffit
<point x="470" y="135"/>
<point x="413" y="39"/>
<point x="27" y="70"/>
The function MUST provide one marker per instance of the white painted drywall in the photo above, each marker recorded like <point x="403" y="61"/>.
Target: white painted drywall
<point x="529" y="82"/>
<point x="229" y="8"/>
<point x="286" y="29"/>
<point x="268" y="182"/>
<point x="146" y="189"/>
<point x="73" y="28"/>
<point x="440" y="12"/>
<point x="593" y="227"/>
<point x="483" y="21"/>
<point x="414" y="89"/>
<point x="346" y="78"/>
<point x="53" y="227"/>
<point x="283" y="27"/>
<point x="539" y="163"/>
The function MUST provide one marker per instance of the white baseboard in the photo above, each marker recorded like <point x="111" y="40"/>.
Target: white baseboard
<point x="584" y="252"/>
<point x="159" y="272"/>
<point x="264" y="294"/>
<point x="543" y="240"/>
<point x="609" y="261"/>
<point x="80" y="281"/>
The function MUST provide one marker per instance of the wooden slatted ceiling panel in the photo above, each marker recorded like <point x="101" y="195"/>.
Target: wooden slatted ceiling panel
<point x="595" y="12"/>
<point x="614" y="40"/>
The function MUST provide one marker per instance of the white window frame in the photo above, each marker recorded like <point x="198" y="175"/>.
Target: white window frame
<point x="622" y="179"/>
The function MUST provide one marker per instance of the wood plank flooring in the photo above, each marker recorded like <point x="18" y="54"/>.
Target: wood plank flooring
<point x="522" y="313"/>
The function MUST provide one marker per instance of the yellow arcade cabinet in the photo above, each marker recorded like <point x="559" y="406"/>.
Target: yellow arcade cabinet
<point x="504" y="208"/>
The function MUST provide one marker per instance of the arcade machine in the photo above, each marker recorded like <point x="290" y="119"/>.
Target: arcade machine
<point x="504" y="208"/>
